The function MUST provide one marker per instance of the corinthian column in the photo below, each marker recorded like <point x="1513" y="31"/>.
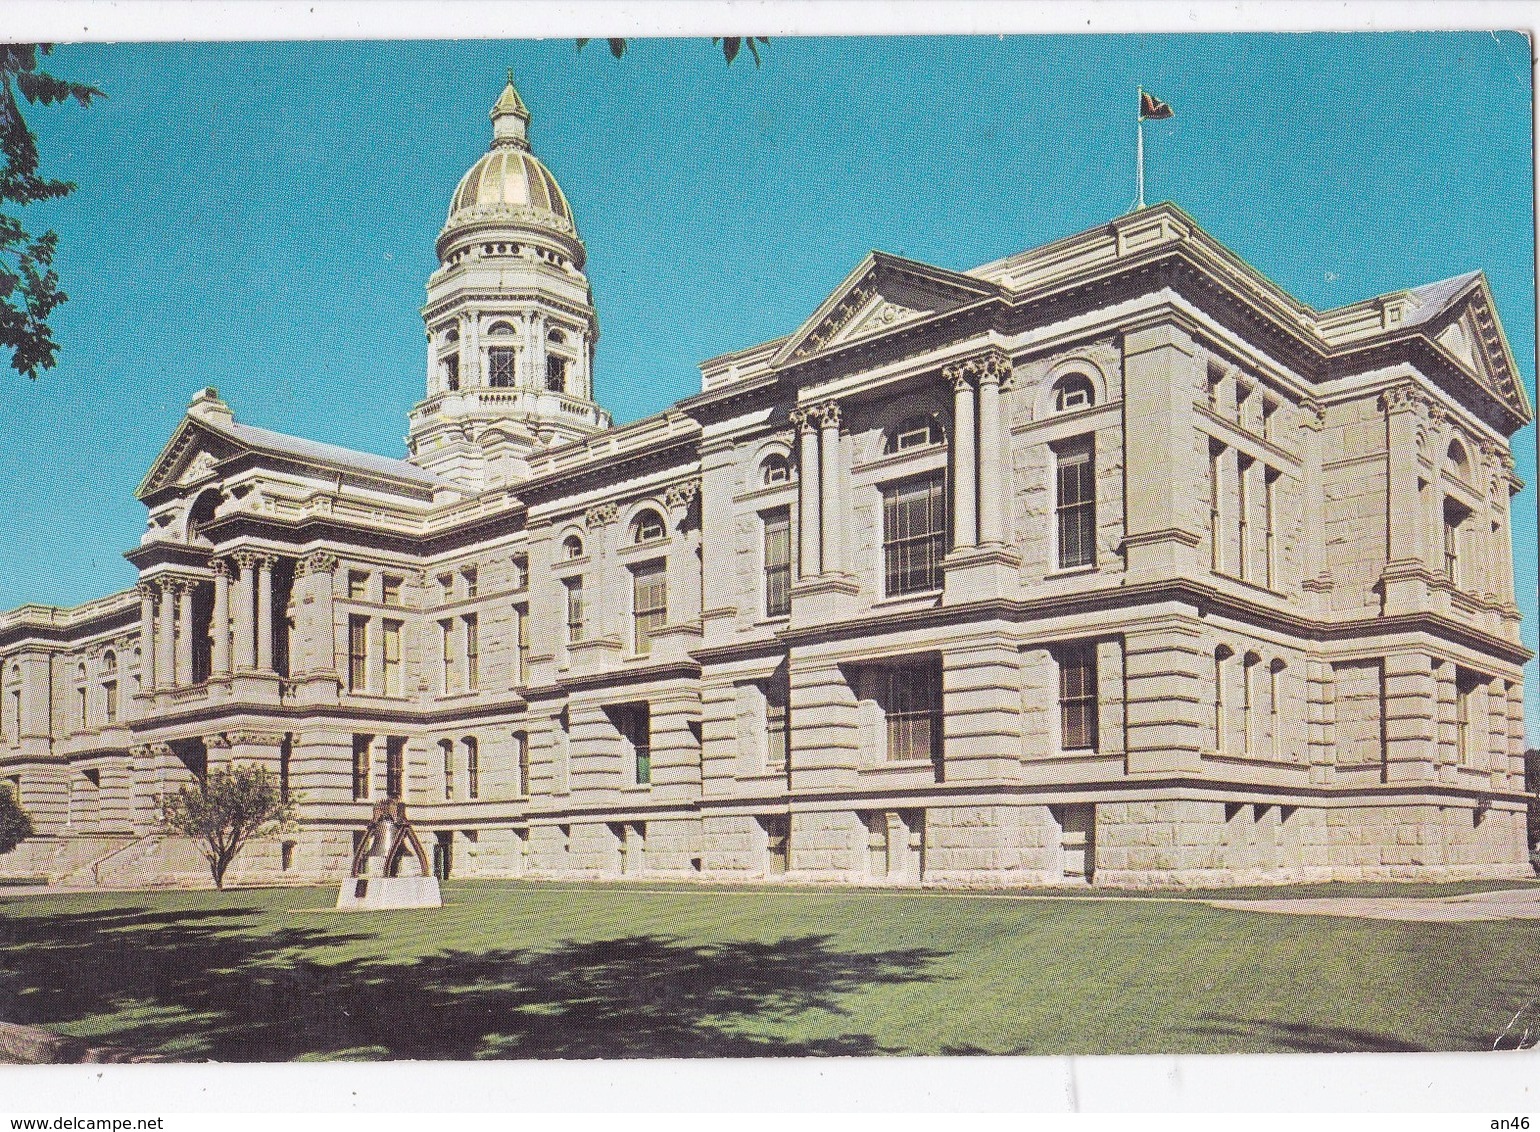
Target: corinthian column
<point x="219" y="627"/>
<point x="807" y="493"/>
<point x="245" y="636"/>
<point x="265" y="612"/>
<point x="146" y="636"/>
<point x="994" y="371"/>
<point x="964" y="459"/>
<point x="184" y="634"/>
<point x="831" y="521"/>
<point x="165" y="636"/>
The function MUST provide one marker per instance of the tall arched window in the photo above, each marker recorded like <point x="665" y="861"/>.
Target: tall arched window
<point x="81" y="693"/>
<point x="1249" y="702"/>
<point x="555" y="364"/>
<point x="472" y="766"/>
<point x="1275" y="708"/>
<point x="571" y="548"/>
<point x="1073" y="391"/>
<point x="1222" y="656"/>
<point x="775" y="468"/>
<point x="447" y="751"/>
<point x="647" y="527"/>
<point x="1459" y="461"/>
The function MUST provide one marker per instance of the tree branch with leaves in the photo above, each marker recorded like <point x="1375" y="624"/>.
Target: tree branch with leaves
<point x="225" y="810"/>
<point x="29" y="286"/>
<point x="731" y="46"/>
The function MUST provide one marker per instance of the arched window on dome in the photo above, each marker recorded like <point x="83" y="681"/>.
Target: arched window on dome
<point x="501" y="329"/>
<point x="556" y="366"/>
<point x="647" y="527"/>
<point x="774" y="469"/>
<point x="571" y="548"/>
<point x="912" y="433"/>
<point x="1073" y="391"/>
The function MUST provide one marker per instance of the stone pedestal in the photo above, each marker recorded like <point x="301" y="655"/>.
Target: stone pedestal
<point x="367" y="894"/>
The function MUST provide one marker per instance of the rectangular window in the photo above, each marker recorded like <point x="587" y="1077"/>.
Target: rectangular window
<point x="358" y="653"/>
<point x="391" y="637"/>
<point x="390" y="590"/>
<point x="472" y="768"/>
<point x="555" y="373"/>
<point x="111" y="689"/>
<point x="1243" y="508"/>
<point x="1077" y="698"/>
<point x="451" y="370"/>
<point x="447" y="750"/>
<point x="472" y="652"/>
<point x="521" y="658"/>
<point x="446" y="588"/>
<point x="395" y="766"/>
<point x="1269" y="415"/>
<point x="576" y="623"/>
<point x="913" y="536"/>
<point x="634" y="722"/>
<point x="777" y="720"/>
<point x="363" y="750"/>
<point x="778" y="563"/>
<point x="468" y="581"/>
<point x="358" y="585"/>
<point x="1216" y="534"/>
<point x="448" y="660"/>
<point x="520" y="573"/>
<point x="909" y="698"/>
<point x="1075" y="504"/>
<point x="500" y="361"/>
<point x="649" y="603"/>
<point x="285" y="764"/>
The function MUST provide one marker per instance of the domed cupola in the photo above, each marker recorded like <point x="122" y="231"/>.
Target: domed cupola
<point x="510" y="318"/>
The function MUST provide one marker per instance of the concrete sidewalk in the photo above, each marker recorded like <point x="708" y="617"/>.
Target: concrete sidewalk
<point x="1505" y="904"/>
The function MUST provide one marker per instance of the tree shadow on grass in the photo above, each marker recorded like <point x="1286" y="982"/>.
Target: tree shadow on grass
<point x="1263" y="1035"/>
<point x="205" y="984"/>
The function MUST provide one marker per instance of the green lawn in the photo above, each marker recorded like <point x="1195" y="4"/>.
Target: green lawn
<point x="510" y="969"/>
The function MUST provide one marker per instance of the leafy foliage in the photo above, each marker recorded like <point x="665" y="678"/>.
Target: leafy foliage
<point x="226" y="809"/>
<point x="15" y="825"/>
<point x="730" y="45"/>
<point x="29" y="286"/>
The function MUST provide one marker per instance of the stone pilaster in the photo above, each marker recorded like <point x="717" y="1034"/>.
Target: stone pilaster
<point x="809" y="563"/>
<point x="219" y="628"/>
<point x="831" y="518"/>
<point x="1411" y="736"/>
<point x="1159" y="428"/>
<point x="147" y="672"/>
<point x="184" y="632"/>
<point x="265" y="564"/>
<point x="245" y="600"/>
<point x="165" y="636"/>
<point x="964" y="459"/>
<point x="1168" y="683"/>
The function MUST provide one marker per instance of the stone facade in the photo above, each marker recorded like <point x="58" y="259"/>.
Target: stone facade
<point x="1107" y="563"/>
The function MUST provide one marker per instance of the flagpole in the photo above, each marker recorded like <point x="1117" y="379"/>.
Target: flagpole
<point x="1139" y="118"/>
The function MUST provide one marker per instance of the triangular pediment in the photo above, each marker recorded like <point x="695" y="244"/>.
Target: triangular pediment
<point x="192" y="455"/>
<point x="1470" y="333"/>
<point x="882" y="294"/>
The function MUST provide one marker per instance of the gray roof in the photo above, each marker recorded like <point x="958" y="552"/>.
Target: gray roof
<point x="333" y="455"/>
<point x="1433" y="298"/>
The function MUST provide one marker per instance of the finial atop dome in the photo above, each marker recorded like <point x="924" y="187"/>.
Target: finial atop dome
<point x="510" y="117"/>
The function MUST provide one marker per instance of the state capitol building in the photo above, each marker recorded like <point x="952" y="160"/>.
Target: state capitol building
<point x="1108" y="562"/>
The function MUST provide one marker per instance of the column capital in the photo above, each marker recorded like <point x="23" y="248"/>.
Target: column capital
<point x="801" y="419"/>
<point x="219" y="567"/>
<point x="317" y="562"/>
<point x="954" y="376"/>
<point x="218" y="741"/>
<point x="1314" y="414"/>
<point x="245" y="559"/>
<point x="161" y="750"/>
<point x="139" y="751"/>
<point x="679" y="496"/>
<point x="990" y="366"/>
<point x="600" y="515"/>
<point x="1407" y="398"/>
<point x="147" y="589"/>
<point x="828" y="414"/>
<point x="253" y="738"/>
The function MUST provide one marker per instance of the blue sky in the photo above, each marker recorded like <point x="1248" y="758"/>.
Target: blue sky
<point x="260" y="217"/>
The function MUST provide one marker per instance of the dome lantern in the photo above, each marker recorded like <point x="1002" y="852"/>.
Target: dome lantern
<point x="510" y="118"/>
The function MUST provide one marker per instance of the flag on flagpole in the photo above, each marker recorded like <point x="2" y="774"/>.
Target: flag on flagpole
<point x="1153" y="109"/>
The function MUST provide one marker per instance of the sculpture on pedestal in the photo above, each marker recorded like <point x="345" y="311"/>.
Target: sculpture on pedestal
<point x="390" y="869"/>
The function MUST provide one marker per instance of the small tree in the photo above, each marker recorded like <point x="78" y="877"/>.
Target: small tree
<point x="15" y="825"/>
<point x="226" y="809"/>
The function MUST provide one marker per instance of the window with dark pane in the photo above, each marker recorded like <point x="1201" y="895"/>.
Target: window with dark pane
<point x="913" y="535"/>
<point x="1075" y="505"/>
